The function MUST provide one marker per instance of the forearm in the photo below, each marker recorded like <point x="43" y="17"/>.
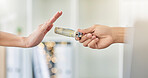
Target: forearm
<point x="7" y="39"/>
<point x="118" y="34"/>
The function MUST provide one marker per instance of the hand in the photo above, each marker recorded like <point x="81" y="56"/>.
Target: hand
<point x="37" y="36"/>
<point x="99" y="36"/>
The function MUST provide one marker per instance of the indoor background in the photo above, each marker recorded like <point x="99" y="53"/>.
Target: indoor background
<point x="21" y="17"/>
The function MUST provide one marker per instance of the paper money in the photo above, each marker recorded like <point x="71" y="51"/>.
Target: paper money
<point x="68" y="32"/>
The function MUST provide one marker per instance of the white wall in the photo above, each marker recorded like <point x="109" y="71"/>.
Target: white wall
<point x="13" y="15"/>
<point x="45" y="9"/>
<point x="99" y="63"/>
<point x="135" y="14"/>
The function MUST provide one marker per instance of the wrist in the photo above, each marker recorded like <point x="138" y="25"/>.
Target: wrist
<point x="24" y="42"/>
<point x="118" y="34"/>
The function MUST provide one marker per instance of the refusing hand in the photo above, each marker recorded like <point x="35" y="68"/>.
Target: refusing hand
<point x="37" y="36"/>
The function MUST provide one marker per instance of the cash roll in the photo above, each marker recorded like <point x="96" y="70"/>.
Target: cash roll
<point x="68" y="32"/>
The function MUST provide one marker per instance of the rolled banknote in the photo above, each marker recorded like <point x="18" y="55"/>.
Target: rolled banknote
<point x="68" y="32"/>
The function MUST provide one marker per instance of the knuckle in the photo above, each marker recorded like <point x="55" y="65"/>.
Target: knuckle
<point x="85" y="45"/>
<point x="81" y="41"/>
<point x="90" y="46"/>
<point x="94" y="40"/>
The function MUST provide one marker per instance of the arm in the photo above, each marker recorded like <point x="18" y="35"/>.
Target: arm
<point x="33" y="39"/>
<point x="118" y="34"/>
<point x="7" y="39"/>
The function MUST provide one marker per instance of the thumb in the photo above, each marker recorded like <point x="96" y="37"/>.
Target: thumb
<point x="51" y="21"/>
<point x="49" y="28"/>
<point x="87" y="30"/>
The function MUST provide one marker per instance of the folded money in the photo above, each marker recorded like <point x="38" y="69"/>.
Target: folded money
<point x="68" y="32"/>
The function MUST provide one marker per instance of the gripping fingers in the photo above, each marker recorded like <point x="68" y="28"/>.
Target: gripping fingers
<point x="93" y="43"/>
<point x="85" y="44"/>
<point x="85" y="37"/>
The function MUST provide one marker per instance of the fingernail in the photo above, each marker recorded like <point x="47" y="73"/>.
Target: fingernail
<point x="77" y="39"/>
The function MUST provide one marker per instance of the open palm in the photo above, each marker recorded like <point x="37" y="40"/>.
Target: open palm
<point x="37" y="36"/>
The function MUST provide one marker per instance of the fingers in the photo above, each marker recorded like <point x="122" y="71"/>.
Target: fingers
<point x="88" y="30"/>
<point x="85" y="44"/>
<point x="93" y="43"/>
<point x="51" y="21"/>
<point x="85" y="37"/>
<point x="77" y="38"/>
<point x="104" y="43"/>
<point x="48" y="29"/>
<point x="54" y="18"/>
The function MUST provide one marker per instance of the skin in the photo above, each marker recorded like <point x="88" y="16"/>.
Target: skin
<point x="100" y="36"/>
<point x="7" y="39"/>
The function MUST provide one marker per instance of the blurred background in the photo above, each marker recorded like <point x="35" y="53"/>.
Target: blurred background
<point x="62" y="57"/>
